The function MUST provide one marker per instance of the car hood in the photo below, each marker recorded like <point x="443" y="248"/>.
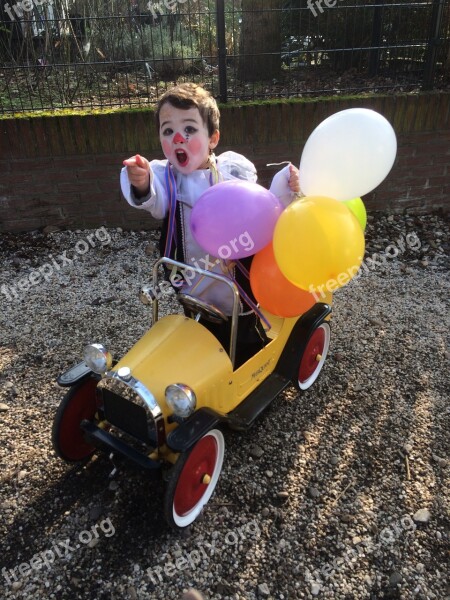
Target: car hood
<point x="178" y="350"/>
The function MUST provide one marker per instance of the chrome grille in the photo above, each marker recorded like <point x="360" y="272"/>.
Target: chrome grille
<point x="130" y="406"/>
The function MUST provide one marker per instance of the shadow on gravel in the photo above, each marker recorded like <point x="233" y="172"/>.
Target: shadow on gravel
<point x="334" y="465"/>
<point x="81" y="498"/>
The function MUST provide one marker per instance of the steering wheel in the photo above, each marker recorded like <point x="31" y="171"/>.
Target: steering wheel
<point x="197" y="306"/>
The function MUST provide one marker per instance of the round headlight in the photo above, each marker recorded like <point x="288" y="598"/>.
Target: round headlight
<point x="97" y="358"/>
<point x="181" y="399"/>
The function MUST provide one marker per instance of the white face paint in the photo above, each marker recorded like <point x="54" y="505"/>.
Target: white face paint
<point x="184" y="138"/>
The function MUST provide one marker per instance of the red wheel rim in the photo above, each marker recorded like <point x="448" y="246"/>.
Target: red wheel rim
<point x="81" y="405"/>
<point x="190" y="488"/>
<point x="314" y="348"/>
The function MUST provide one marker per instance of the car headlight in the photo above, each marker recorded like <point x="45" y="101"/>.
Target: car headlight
<point x="181" y="399"/>
<point x="97" y="358"/>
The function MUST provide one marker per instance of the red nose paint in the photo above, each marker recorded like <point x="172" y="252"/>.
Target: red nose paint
<point x="179" y="139"/>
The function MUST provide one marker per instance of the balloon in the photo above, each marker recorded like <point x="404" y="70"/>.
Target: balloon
<point x="318" y="244"/>
<point x="359" y="210"/>
<point x="348" y="155"/>
<point x="234" y="219"/>
<point x="273" y="291"/>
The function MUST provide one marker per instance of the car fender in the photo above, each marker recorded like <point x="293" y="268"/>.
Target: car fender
<point x="75" y="375"/>
<point x="287" y="365"/>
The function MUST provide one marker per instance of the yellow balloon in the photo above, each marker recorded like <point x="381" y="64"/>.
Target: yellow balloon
<point x="318" y="244"/>
<point x="356" y="205"/>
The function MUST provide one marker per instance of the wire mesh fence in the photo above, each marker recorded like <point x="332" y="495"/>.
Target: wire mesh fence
<point x="109" y="53"/>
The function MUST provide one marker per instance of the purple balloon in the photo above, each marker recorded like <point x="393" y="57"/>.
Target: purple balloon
<point x="235" y="219"/>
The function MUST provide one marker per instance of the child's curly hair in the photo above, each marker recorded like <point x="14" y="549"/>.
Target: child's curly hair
<point x="191" y="95"/>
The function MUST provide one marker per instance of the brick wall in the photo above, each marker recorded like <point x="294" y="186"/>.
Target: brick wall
<point x="63" y="170"/>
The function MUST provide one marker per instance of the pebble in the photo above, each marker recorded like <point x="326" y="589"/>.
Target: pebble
<point x="256" y="451"/>
<point x="149" y="250"/>
<point x="334" y="460"/>
<point x="313" y="492"/>
<point x="442" y="462"/>
<point x="422" y="515"/>
<point x="346" y="518"/>
<point x="132" y="594"/>
<point x="376" y="322"/>
<point x="395" y="578"/>
<point x="283" y="495"/>
<point x="263" y="590"/>
<point x="3" y="407"/>
<point x="315" y="589"/>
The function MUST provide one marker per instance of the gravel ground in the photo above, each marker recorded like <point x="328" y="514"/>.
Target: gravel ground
<point x="338" y="492"/>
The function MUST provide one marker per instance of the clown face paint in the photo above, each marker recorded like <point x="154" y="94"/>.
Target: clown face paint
<point x="184" y="138"/>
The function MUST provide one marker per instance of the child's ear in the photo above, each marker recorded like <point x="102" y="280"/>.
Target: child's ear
<point x="214" y="139"/>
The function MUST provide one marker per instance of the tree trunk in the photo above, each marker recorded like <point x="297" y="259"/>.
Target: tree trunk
<point x="260" y="45"/>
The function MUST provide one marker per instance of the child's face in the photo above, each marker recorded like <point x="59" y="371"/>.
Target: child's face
<point x="185" y="139"/>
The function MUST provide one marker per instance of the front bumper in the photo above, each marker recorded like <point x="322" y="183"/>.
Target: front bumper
<point x="105" y="441"/>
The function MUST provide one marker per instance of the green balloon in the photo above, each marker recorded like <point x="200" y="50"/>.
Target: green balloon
<point x="356" y="205"/>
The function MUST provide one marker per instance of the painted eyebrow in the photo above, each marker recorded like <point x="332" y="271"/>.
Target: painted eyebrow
<point x="184" y="121"/>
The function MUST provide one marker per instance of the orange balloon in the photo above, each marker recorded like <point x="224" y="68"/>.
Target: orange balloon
<point x="273" y="291"/>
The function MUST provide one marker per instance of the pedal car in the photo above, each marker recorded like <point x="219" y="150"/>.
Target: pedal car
<point x="163" y="405"/>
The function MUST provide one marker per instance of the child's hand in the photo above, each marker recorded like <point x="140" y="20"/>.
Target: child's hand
<point x="138" y="169"/>
<point x="294" y="179"/>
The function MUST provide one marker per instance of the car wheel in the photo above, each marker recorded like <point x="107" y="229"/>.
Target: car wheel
<point x="314" y="355"/>
<point x="193" y="480"/>
<point x="78" y="404"/>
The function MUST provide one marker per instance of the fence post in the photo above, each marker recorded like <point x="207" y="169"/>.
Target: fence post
<point x="433" y="43"/>
<point x="221" y="50"/>
<point x="377" y="29"/>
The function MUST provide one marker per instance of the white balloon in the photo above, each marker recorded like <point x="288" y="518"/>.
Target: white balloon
<point x="348" y="155"/>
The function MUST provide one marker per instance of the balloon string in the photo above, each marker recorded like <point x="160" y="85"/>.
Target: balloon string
<point x="242" y="269"/>
<point x="247" y="298"/>
<point x="171" y="187"/>
<point x="285" y="162"/>
<point x="253" y="306"/>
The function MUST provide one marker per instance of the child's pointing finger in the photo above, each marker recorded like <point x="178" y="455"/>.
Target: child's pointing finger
<point x="135" y="161"/>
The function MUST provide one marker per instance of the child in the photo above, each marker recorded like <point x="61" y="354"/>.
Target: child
<point x="187" y="117"/>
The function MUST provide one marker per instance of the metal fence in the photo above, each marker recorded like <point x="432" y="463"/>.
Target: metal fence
<point x="98" y="53"/>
